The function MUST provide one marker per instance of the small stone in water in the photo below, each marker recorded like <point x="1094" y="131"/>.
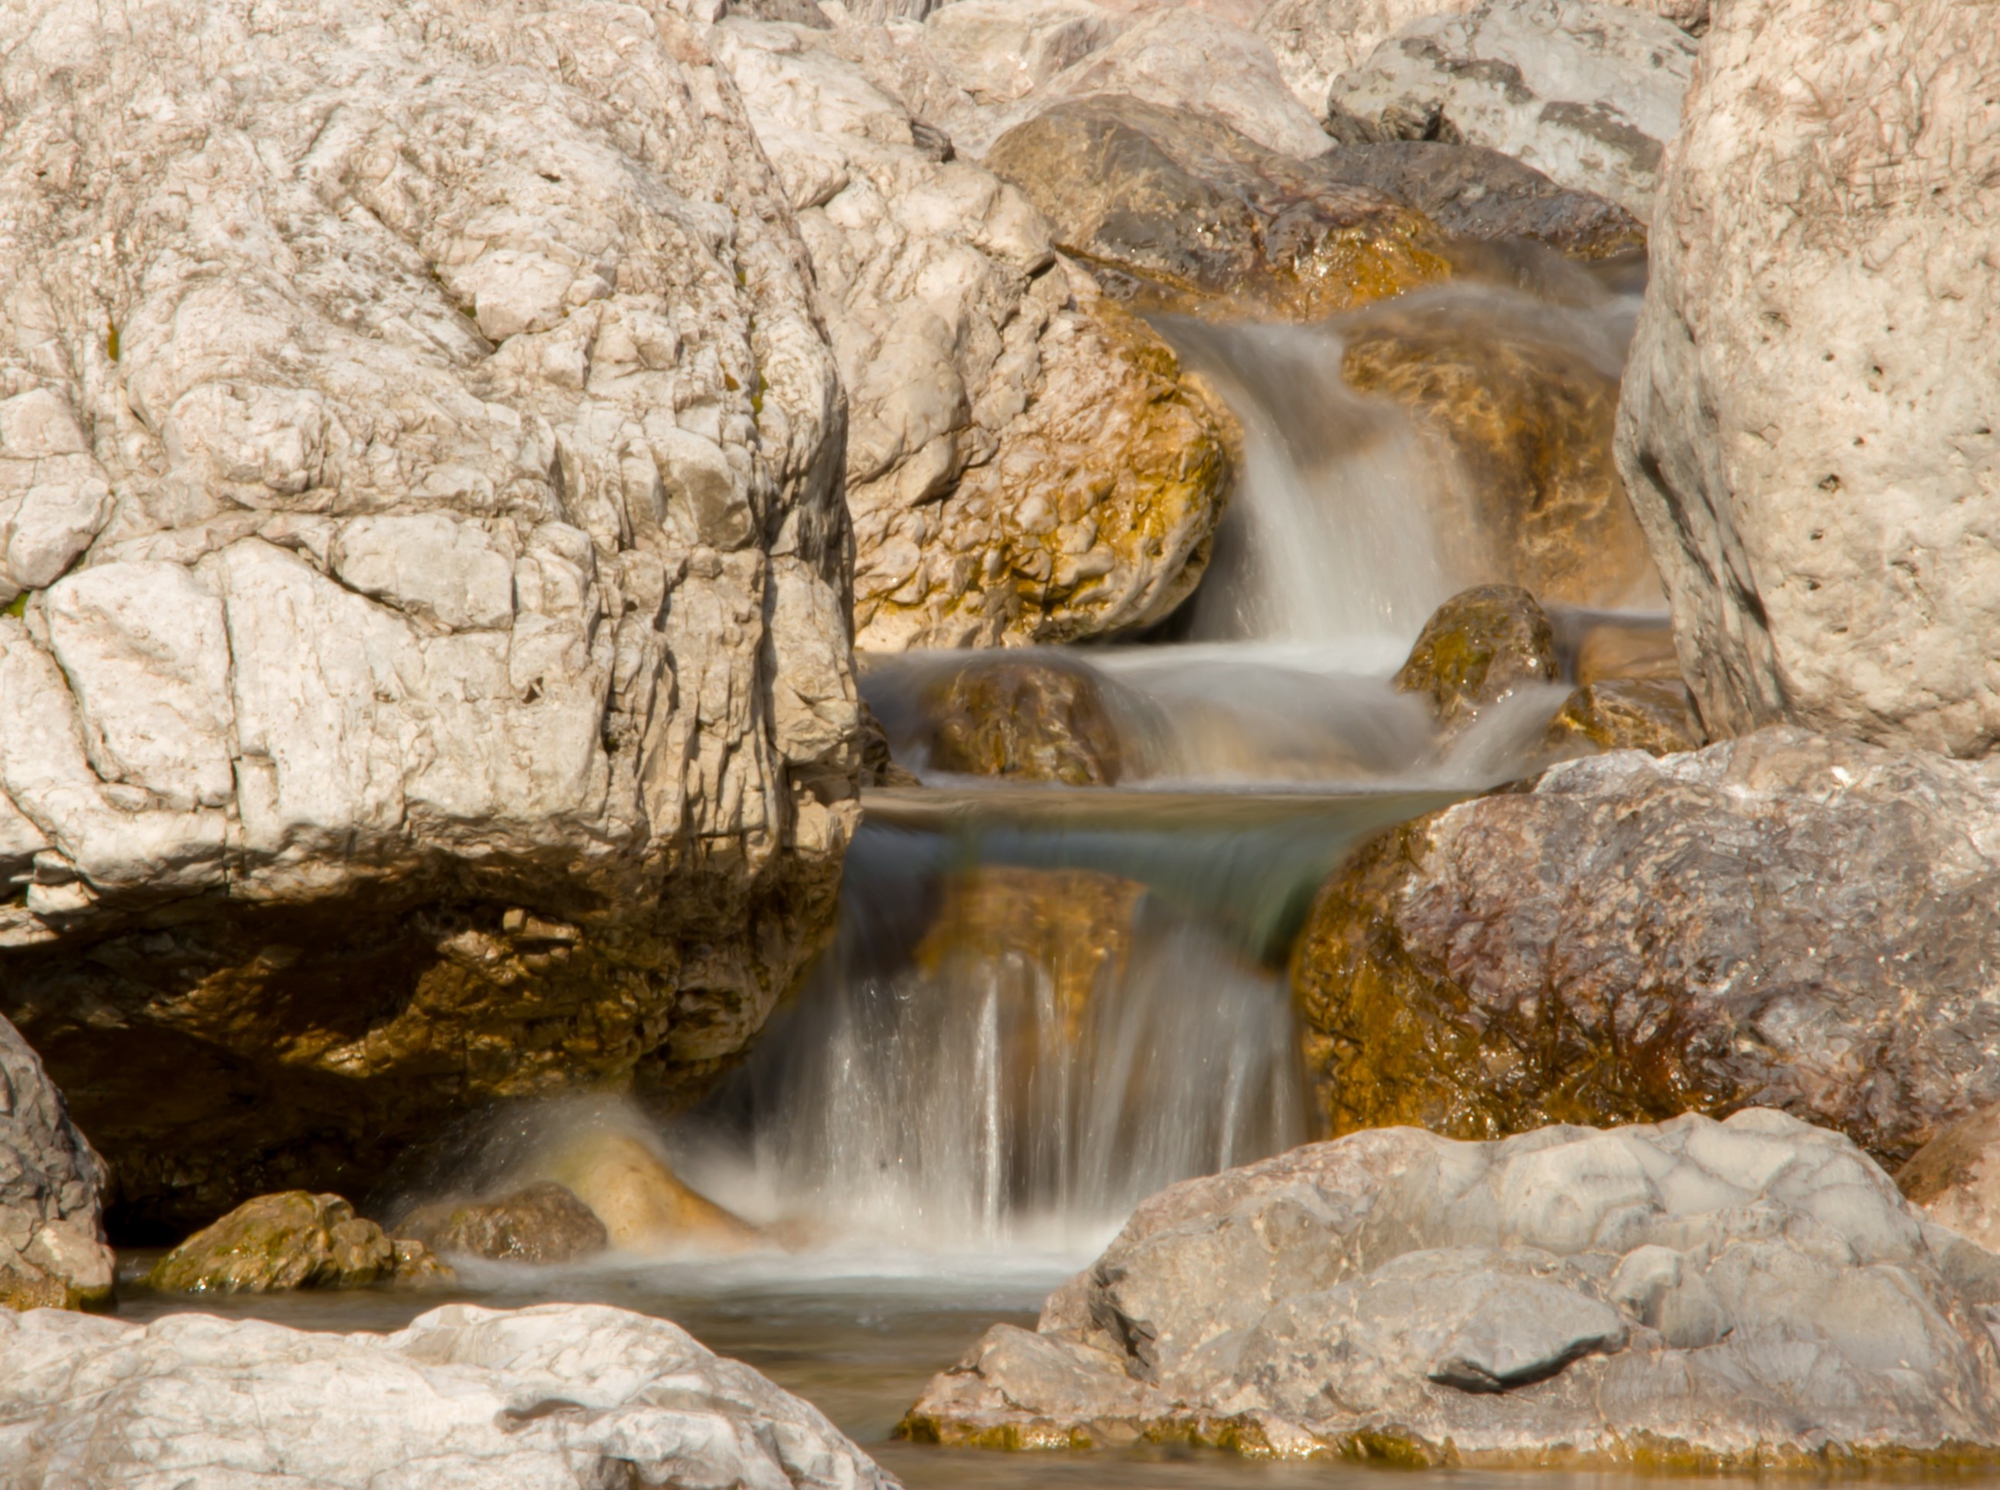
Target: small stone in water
<point x="540" y="1223"/>
<point x="293" y="1239"/>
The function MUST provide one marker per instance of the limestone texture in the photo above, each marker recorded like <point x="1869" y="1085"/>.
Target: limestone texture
<point x="554" y="1397"/>
<point x="1317" y="40"/>
<point x="1587" y="93"/>
<point x="1025" y="461"/>
<point x="1735" y="1295"/>
<point x="1955" y="1178"/>
<point x="1810" y="410"/>
<point x="1001" y="50"/>
<point x="1784" y="919"/>
<point x="448" y="696"/>
<point x="1655" y="715"/>
<point x="52" y="1251"/>
<point x="292" y="1240"/>
<point x="1476" y="648"/>
<point x="1027" y="719"/>
<point x="541" y="1223"/>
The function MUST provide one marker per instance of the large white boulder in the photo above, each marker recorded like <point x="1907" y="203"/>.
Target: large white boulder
<point x="420" y="492"/>
<point x="1808" y="427"/>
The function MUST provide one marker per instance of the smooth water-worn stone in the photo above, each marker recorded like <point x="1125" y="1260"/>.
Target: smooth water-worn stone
<point x="294" y="1239"/>
<point x="1746" y="1294"/>
<point x="1023" y="720"/>
<point x="1587" y="93"/>
<point x="1478" y="647"/>
<point x="1808" y="424"/>
<point x="1655" y="715"/>
<point x="1784" y="919"/>
<point x="1024" y="462"/>
<point x="558" y="1395"/>
<point x="425" y="464"/>
<point x="542" y="1223"/>
<point x="643" y="1205"/>
<point x="1523" y="418"/>
<point x="1956" y="1177"/>
<point x="52" y="1252"/>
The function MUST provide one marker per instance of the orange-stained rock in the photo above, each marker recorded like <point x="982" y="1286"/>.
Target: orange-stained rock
<point x="1655" y="715"/>
<point x="1477" y="648"/>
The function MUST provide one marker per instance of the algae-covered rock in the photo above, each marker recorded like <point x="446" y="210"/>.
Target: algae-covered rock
<point x="1956" y="1177"/>
<point x="1786" y="919"/>
<point x="1655" y="715"/>
<point x="1477" y="648"/>
<point x="641" y="1203"/>
<point x="292" y="1240"/>
<point x="1524" y="416"/>
<point x="543" y="1222"/>
<point x="52" y="1251"/>
<point x="1024" y="720"/>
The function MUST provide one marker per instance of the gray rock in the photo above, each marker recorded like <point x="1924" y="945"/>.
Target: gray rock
<point x="555" y="1397"/>
<point x="1752" y="1292"/>
<point x="1811" y="445"/>
<point x="1588" y="94"/>
<point x="432" y="513"/>
<point x="52" y="1251"/>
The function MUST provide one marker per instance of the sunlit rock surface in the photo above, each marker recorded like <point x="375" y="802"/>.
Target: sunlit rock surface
<point x="294" y="1239"/>
<point x="1808" y="425"/>
<point x="559" y="1395"/>
<point x="52" y="1252"/>
<point x="1956" y="1177"/>
<point x="642" y="1204"/>
<point x="1655" y="715"/>
<point x="1477" y="648"/>
<point x="1747" y="1294"/>
<point x="451" y="698"/>
<point x="1587" y="93"/>
<point x="1783" y="919"/>
<point x="1022" y="720"/>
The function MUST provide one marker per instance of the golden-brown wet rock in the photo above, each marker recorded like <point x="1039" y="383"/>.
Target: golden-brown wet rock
<point x="1477" y="648"/>
<point x="1655" y="715"/>
<point x="641" y="1202"/>
<point x="1525" y="419"/>
<point x="1024" y="720"/>
<point x="1626" y="649"/>
<point x="293" y="1240"/>
<point x="1956" y="1177"/>
<point x="543" y="1222"/>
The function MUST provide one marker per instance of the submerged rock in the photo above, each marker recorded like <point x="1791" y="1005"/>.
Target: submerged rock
<point x="52" y="1251"/>
<point x="1956" y="1177"/>
<point x="555" y="1395"/>
<point x="1741" y="1295"/>
<point x="541" y="1223"/>
<point x="641" y="1203"/>
<point x="1024" y="721"/>
<point x="292" y="1240"/>
<point x="1614" y="649"/>
<point x="1783" y="919"/>
<point x="1812" y="448"/>
<point x="1655" y="715"/>
<point x="1477" y="648"/>
<point x="454" y="699"/>
<point x="1588" y="93"/>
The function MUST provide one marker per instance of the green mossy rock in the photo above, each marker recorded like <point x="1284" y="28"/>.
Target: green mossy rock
<point x="293" y="1239"/>
<point x="1477" y="648"/>
<point x="1655" y="715"/>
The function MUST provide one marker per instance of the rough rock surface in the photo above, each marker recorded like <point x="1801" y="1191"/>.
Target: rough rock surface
<point x="1655" y="715"/>
<point x="1810" y="411"/>
<point x="294" y="1239"/>
<point x="1587" y="93"/>
<point x="1025" y="462"/>
<point x="453" y="698"/>
<point x="556" y="1396"/>
<point x="52" y="1252"/>
<point x="541" y="1223"/>
<point x="1784" y="919"/>
<point x="1023" y="720"/>
<point x="1956" y="1177"/>
<point x="1317" y="40"/>
<point x="1476" y="649"/>
<point x="1709" y="1295"/>
<point x="1000" y="50"/>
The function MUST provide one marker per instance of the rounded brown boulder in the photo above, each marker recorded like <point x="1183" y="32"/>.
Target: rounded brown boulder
<point x="1026" y="720"/>
<point x="1477" y="648"/>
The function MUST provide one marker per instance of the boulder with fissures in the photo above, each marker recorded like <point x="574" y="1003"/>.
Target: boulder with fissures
<point x="1810" y="411"/>
<point x="1697" y="1295"/>
<point x="558" y="1395"/>
<point x="451" y="698"/>
<point x="52" y="1184"/>
<point x="1476" y="649"/>
<point x="1783" y="919"/>
<point x="294" y="1239"/>
<point x="1025" y="462"/>
<point x="1587" y="93"/>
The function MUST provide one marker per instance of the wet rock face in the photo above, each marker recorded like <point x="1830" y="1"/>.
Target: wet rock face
<point x="1477" y="648"/>
<point x="1587" y="93"/>
<point x="1655" y="715"/>
<point x="1699" y="1294"/>
<point x="448" y="696"/>
<point x="1813" y="451"/>
<point x="539" y="1223"/>
<point x="1024" y="462"/>
<point x="558" y="1394"/>
<point x="1783" y="919"/>
<point x="1024" y="721"/>
<point x="292" y="1240"/>
<point x="1526" y="421"/>
<point x="52" y="1252"/>
<point x="1956" y="1177"/>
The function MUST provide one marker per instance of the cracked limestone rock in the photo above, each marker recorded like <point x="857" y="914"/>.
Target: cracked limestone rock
<point x="556" y="1396"/>
<point x="435" y="684"/>
<point x="1025" y="460"/>
<point x="1810" y="426"/>
<point x="1697" y="1295"/>
<point x="52" y="1251"/>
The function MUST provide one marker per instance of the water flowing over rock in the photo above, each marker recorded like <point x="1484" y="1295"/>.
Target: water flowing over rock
<point x="1808" y="423"/>
<point x="454" y="700"/>
<point x="1784" y="919"/>
<point x="1025" y="461"/>
<point x="556" y="1395"/>
<point x="1588" y="93"/>
<point x="1477" y="648"/>
<point x="1956" y="1177"/>
<point x="52" y="1252"/>
<point x="1025" y="721"/>
<point x="292" y="1240"/>
<point x="1736" y="1295"/>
